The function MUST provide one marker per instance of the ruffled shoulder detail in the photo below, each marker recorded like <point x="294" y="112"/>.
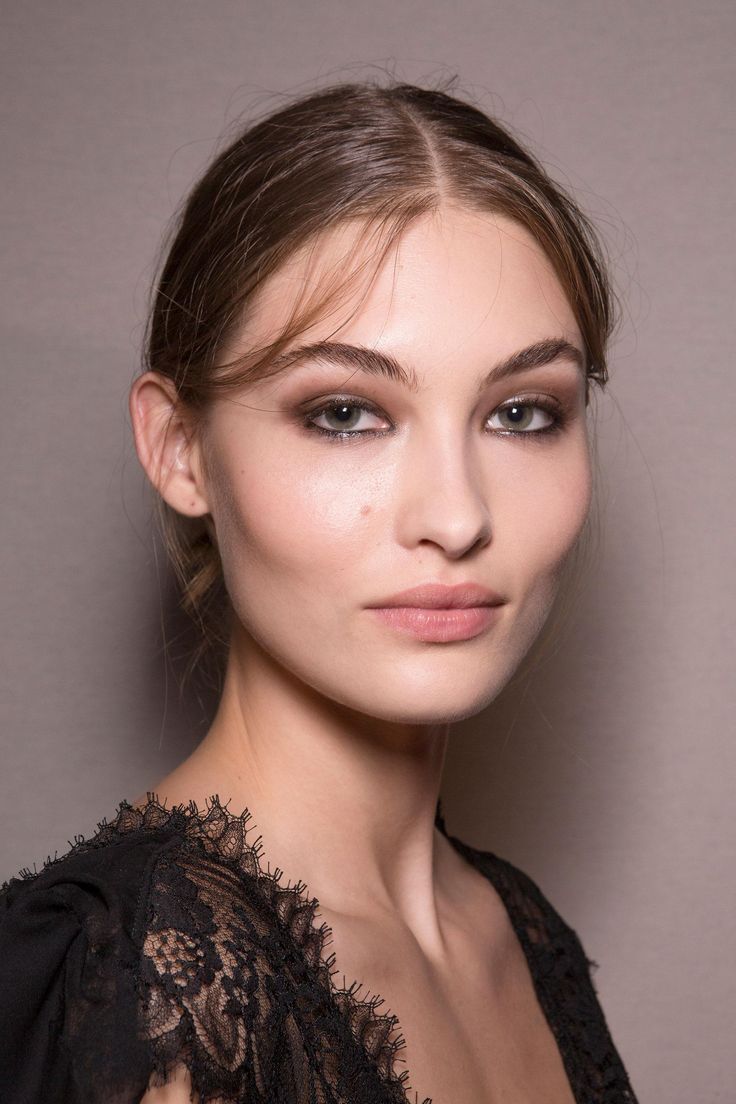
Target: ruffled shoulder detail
<point x="199" y="955"/>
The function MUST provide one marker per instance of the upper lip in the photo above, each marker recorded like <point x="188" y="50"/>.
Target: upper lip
<point x="438" y="596"/>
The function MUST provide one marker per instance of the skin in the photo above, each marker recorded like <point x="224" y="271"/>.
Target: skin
<point x="329" y="718"/>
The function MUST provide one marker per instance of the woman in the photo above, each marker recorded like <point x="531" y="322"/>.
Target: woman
<point x="364" y="411"/>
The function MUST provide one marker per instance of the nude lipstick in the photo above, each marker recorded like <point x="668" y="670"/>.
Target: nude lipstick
<point x="438" y="613"/>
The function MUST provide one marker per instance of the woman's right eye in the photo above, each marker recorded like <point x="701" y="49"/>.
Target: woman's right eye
<point x="345" y="414"/>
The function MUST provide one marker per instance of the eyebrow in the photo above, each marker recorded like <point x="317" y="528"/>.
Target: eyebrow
<point x="364" y="359"/>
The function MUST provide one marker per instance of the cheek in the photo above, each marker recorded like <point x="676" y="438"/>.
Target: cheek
<point x="540" y="524"/>
<point x="290" y="532"/>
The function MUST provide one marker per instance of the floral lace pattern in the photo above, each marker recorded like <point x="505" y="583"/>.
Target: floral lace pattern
<point x="222" y="967"/>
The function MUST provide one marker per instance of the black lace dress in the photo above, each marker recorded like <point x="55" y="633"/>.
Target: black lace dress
<point x="164" y="939"/>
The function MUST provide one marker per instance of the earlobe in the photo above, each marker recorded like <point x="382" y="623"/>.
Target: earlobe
<point x="166" y="445"/>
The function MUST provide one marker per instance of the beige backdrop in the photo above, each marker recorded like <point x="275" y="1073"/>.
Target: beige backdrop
<point x="611" y="780"/>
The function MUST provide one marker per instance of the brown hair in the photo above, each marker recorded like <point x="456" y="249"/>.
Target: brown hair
<point x="379" y="155"/>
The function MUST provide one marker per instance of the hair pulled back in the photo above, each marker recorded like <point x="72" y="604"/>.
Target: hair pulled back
<point x="380" y="154"/>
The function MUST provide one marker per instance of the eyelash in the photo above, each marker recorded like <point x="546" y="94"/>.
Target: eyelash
<point x="558" y="415"/>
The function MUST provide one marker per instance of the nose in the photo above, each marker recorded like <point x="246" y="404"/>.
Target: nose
<point x="443" y="498"/>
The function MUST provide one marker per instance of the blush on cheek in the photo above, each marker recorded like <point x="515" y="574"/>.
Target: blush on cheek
<point x="537" y="531"/>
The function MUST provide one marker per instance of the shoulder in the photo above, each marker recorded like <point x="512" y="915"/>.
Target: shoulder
<point x="102" y="874"/>
<point x="543" y="931"/>
<point x="132" y="950"/>
<point x="90" y="902"/>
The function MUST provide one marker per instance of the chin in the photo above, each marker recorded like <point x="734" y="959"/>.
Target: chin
<point x="400" y="700"/>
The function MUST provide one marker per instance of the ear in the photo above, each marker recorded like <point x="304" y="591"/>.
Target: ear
<point x="167" y="448"/>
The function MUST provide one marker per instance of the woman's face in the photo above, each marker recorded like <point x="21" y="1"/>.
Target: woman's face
<point x="427" y="483"/>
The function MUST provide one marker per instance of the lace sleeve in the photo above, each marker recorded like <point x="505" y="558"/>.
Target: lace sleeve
<point x="211" y="994"/>
<point x="120" y="963"/>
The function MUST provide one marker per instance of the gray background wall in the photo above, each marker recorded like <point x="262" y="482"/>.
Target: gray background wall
<point x="611" y="779"/>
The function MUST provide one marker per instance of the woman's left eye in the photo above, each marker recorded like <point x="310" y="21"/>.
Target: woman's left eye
<point x="523" y="418"/>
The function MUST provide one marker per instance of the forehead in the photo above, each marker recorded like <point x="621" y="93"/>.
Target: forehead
<point x="455" y="282"/>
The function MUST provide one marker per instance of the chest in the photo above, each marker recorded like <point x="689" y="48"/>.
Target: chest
<point x="472" y="1025"/>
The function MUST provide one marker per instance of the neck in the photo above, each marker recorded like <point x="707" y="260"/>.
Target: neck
<point x="340" y="799"/>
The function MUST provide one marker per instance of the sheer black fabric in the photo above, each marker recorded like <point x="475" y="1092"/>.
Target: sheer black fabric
<point x="163" y="940"/>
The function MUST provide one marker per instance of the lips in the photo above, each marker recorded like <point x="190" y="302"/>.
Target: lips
<point x="439" y="596"/>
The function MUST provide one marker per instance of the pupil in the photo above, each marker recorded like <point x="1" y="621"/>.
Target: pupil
<point x="516" y="413"/>
<point x="343" y="412"/>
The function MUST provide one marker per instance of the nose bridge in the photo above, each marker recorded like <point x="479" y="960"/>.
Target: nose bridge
<point x="444" y="495"/>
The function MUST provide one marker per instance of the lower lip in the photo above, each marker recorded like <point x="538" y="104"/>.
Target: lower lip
<point x="440" y="625"/>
